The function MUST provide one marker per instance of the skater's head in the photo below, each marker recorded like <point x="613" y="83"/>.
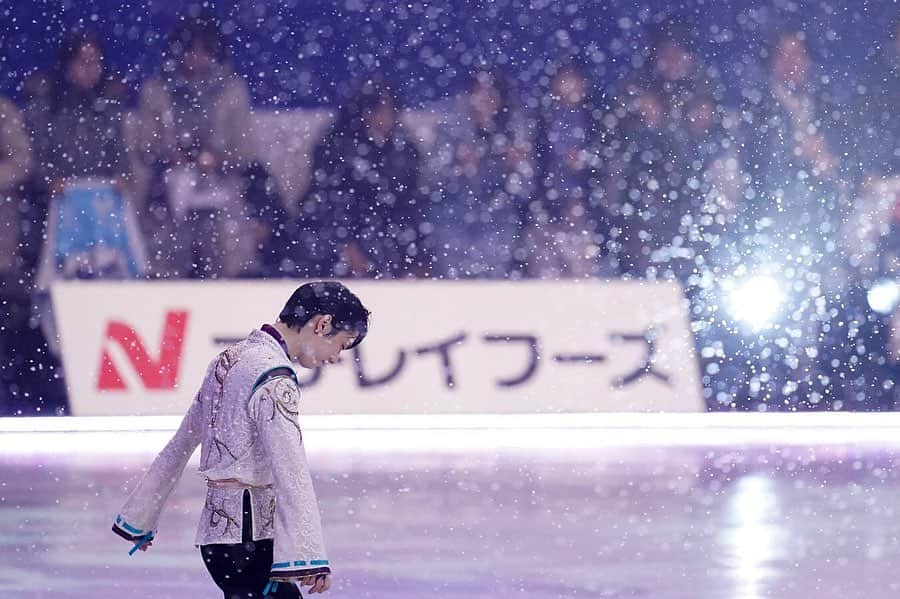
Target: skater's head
<point x="320" y="320"/>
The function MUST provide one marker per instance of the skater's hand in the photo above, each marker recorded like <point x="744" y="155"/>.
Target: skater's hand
<point x="147" y="546"/>
<point x="317" y="584"/>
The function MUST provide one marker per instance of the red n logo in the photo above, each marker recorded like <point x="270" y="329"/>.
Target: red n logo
<point x="161" y="373"/>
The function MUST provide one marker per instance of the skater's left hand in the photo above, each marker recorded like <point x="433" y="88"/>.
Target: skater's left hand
<point x="147" y="546"/>
<point x="317" y="584"/>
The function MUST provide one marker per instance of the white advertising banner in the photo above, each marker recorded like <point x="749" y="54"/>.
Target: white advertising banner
<point x="434" y="347"/>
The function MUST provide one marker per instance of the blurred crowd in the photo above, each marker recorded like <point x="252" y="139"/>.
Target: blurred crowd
<point x="656" y="179"/>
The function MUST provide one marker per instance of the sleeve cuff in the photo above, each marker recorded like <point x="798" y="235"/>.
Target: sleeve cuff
<point x="126" y="531"/>
<point x="293" y="571"/>
<point x="134" y="535"/>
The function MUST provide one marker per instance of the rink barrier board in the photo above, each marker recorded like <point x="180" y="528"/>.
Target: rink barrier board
<point x="434" y="347"/>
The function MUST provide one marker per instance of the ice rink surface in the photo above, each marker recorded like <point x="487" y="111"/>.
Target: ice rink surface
<point x="684" y="520"/>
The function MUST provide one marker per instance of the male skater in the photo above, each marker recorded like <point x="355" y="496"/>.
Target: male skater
<point x="260" y="525"/>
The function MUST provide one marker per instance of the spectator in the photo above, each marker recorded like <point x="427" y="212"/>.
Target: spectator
<point x="15" y="166"/>
<point x="193" y="134"/>
<point x="364" y="206"/>
<point x="482" y="177"/>
<point x="567" y="226"/>
<point x="875" y="140"/>
<point x="16" y="163"/>
<point x="77" y="126"/>
<point x="75" y="117"/>
<point x="668" y="114"/>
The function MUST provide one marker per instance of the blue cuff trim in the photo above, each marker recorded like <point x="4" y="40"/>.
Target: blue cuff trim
<point x="127" y="527"/>
<point x="315" y="562"/>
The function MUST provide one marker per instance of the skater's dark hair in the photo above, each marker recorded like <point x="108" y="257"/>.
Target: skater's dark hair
<point x="327" y="297"/>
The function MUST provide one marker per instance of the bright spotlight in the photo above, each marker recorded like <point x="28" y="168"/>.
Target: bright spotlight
<point x="884" y="295"/>
<point x="755" y="301"/>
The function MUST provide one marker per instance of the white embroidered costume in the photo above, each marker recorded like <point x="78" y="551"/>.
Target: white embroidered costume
<point x="245" y="417"/>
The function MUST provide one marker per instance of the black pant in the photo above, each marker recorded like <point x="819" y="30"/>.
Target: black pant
<point x="242" y="570"/>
